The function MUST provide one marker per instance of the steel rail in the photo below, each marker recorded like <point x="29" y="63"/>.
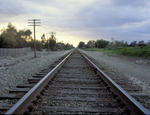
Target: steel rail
<point x="24" y="102"/>
<point x="124" y="96"/>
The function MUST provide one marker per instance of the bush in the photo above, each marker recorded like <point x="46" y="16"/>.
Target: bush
<point x="101" y="43"/>
<point x="81" y="45"/>
<point x="11" y="38"/>
<point x="136" y="51"/>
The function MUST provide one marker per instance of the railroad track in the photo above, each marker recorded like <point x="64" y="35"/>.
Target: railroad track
<point x="76" y="85"/>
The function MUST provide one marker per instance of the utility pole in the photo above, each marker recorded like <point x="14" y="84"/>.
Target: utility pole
<point x="53" y="34"/>
<point x="34" y="23"/>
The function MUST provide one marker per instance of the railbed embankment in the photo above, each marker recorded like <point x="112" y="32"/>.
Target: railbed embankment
<point x="16" y="70"/>
<point x="124" y="67"/>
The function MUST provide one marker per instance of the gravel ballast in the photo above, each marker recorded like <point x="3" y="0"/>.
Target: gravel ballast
<point x="16" y="70"/>
<point x="134" y="69"/>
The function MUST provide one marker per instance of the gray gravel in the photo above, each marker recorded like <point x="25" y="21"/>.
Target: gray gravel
<point x="135" y="69"/>
<point x="16" y="70"/>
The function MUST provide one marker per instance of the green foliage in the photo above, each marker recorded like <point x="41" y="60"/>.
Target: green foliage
<point x="81" y="45"/>
<point x="101" y="43"/>
<point x="11" y="38"/>
<point x="141" y="43"/>
<point x="136" y="51"/>
<point x="135" y="48"/>
<point x="68" y="46"/>
<point x="8" y="37"/>
<point x="62" y="46"/>
<point x="117" y="44"/>
<point x="93" y="44"/>
<point x="129" y="51"/>
<point x="133" y="44"/>
<point x="52" y="43"/>
<point x="90" y="44"/>
<point x="105" y="50"/>
<point x="93" y="49"/>
<point x="43" y="41"/>
<point x="37" y="44"/>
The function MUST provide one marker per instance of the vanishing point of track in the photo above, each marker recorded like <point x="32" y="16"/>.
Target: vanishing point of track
<point x="76" y="85"/>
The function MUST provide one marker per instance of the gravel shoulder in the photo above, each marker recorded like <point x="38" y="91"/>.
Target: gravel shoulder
<point x="134" y="69"/>
<point x="16" y="70"/>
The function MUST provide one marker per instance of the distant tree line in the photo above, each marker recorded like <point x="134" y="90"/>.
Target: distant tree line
<point x="13" y="38"/>
<point x="51" y="44"/>
<point x="116" y="44"/>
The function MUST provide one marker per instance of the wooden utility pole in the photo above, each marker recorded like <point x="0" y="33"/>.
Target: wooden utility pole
<point x="53" y="34"/>
<point x="34" y="23"/>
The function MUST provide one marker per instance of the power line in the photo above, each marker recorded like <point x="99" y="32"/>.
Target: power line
<point x="34" y="23"/>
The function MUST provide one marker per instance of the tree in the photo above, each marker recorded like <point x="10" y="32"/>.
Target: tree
<point x="11" y="38"/>
<point x="43" y="41"/>
<point x="68" y="46"/>
<point x="118" y="43"/>
<point x="126" y="43"/>
<point x="133" y="44"/>
<point x="60" y="46"/>
<point x="8" y="37"/>
<point x="27" y="34"/>
<point x="52" y="43"/>
<point x="38" y="44"/>
<point x="141" y="43"/>
<point x="101" y="43"/>
<point x="21" y="39"/>
<point x="2" y="42"/>
<point x="148" y="44"/>
<point x="90" y="44"/>
<point x="81" y="45"/>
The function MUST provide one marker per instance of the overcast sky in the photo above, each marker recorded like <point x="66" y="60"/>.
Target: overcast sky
<point x="81" y="20"/>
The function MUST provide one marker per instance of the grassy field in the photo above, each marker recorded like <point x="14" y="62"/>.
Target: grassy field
<point x="130" y="51"/>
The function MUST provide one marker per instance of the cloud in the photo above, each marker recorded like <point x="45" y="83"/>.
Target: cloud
<point x="12" y="7"/>
<point x="91" y="19"/>
<point x="132" y="3"/>
<point x="111" y="20"/>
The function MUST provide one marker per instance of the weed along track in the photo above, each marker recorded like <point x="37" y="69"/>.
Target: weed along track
<point x="76" y="85"/>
